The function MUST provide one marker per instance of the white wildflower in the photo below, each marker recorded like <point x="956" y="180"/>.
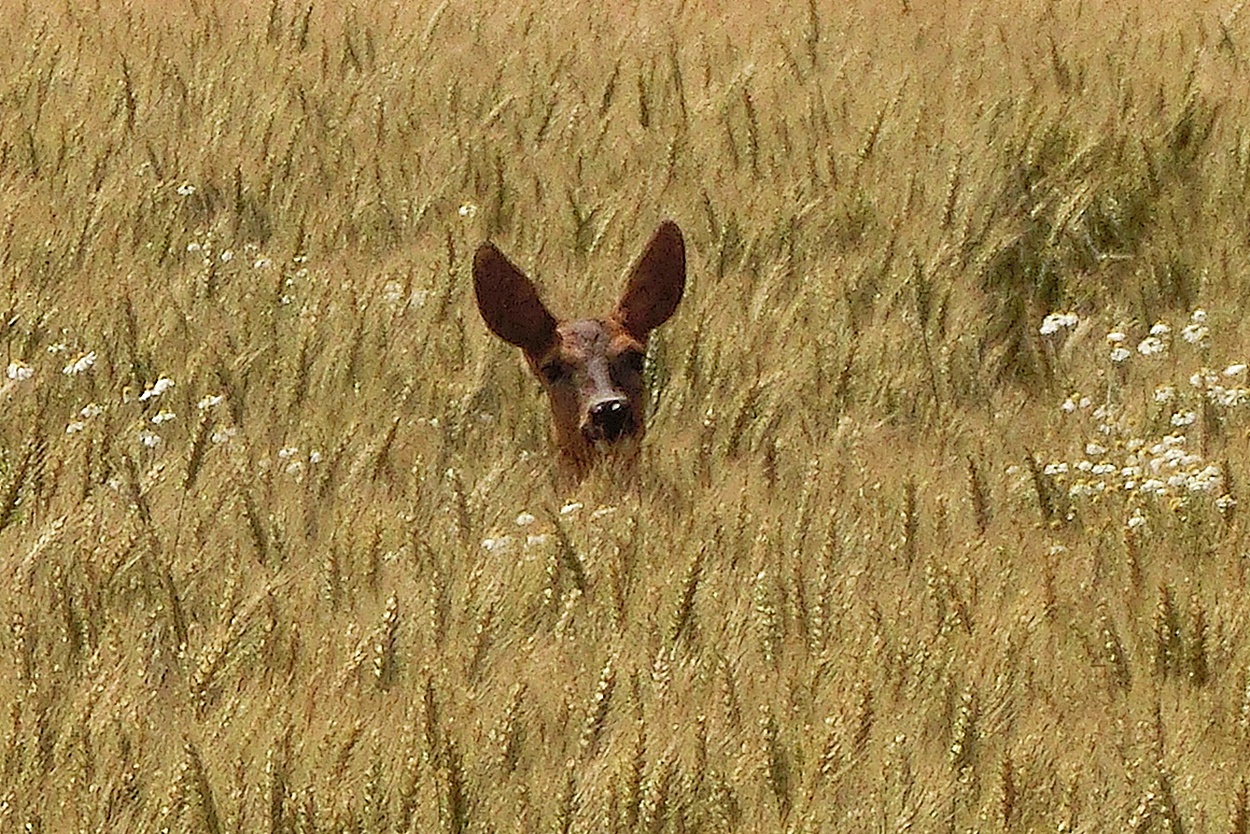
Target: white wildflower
<point x="1119" y="355"/>
<point x="1151" y="346"/>
<point x="525" y="519"/>
<point x="497" y="544"/>
<point x="570" y="508"/>
<point x="1226" y="397"/>
<point x="163" y="416"/>
<point x="1206" y="480"/>
<point x="149" y="438"/>
<point x="159" y="387"/>
<point x="1195" y="334"/>
<point x="1184" y="418"/>
<point x="19" y="371"/>
<point x="1105" y="412"/>
<point x="1056" y="321"/>
<point x="1164" y="393"/>
<point x="75" y="426"/>
<point x="80" y="365"/>
<point x="393" y="293"/>
<point x="1083" y="489"/>
<point x="91" y="410"/>
<point x="1165" y="449"/>
<point x="208" y="401"/>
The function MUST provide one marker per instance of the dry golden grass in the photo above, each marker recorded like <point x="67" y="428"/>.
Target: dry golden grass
<point x="875" y="576"/>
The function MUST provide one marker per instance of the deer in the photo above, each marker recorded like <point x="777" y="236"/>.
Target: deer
<point x="591" y="369"/>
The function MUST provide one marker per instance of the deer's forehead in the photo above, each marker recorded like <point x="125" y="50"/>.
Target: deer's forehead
<point x="585" y="338"/>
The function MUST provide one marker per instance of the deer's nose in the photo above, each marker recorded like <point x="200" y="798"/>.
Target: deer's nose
<point x="609" y="420"/>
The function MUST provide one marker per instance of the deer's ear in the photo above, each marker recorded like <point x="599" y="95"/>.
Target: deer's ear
<point x="509" y="303"/>
<point x="656" y="283"/>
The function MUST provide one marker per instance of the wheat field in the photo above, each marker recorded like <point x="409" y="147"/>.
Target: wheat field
<point x="937" y="527"/>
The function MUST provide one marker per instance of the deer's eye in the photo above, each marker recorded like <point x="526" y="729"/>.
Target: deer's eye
<point x="555" y="372"/>
<point x="631" y="361"/>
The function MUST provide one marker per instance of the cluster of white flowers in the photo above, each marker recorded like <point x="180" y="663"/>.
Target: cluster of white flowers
<point x="80" y="365"/>
<point x="1196" y="331"/>
<point x="1156" y="343"/>
<point x="293" y="461"/>
<point x="504" y="543"/>
<point x="1165" y="468"/>
<point x="157" y="388"/>
<point x="1075" y="402"/>
<point x="1119" y="353"/>
<point x="87" y="412"/>
<point x="19" y="371"/>
<point x="208" y="253"/>
<point x="1222" y="388"/>
<point x="146" y="434"/>
<point x="1123" y="461"/>
<point x="1055" y="322"/>
<point x="146" y="424"/>
<point x="223" y="435"/>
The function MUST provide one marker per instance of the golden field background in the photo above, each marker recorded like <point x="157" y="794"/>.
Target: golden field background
<point x="898" y="560"/>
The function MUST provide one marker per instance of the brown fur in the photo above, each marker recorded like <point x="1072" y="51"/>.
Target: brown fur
<point x="590" y="368"/>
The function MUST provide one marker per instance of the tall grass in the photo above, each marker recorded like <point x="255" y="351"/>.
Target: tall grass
<point x="282" y="546"/>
